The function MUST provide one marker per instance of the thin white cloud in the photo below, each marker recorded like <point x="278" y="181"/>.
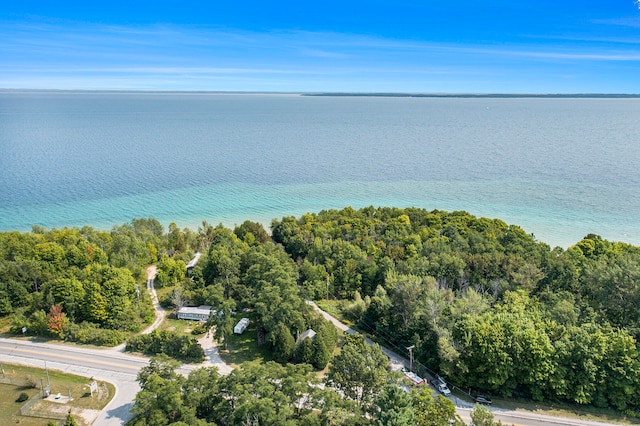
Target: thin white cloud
<point x="163" y="44"/>
<point x="621" y="22"/>
<point x="164" y="70"/>
<point x="82" y="55"/>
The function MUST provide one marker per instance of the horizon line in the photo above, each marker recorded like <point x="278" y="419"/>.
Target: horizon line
<point x="346" y="94"/>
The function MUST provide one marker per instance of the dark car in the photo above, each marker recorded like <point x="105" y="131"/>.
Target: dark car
<point x="482" y="400"/>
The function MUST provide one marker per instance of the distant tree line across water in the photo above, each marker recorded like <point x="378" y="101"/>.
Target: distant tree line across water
<point x="481" y="95"/>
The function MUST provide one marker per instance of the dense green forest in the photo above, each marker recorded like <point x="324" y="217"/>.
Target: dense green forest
<point x="78" y="284"/>
<point x="485" y="305"/>
<point x="361" y="391"/>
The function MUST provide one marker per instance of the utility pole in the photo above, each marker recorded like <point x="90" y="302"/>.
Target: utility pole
<point x="410" y="348"/>
<point x="48" y="381"/>
<point x="327" y="288"/>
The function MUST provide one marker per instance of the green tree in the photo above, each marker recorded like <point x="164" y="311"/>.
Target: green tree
<point x="438" y="411"/>
<point x="621" y="367"/>
<point x="68" y="292"/>
<point x="323" y="345"/>
<point x="159" y="401"/>
<point x="95" y="304"/>
<point x="175" y="239"/>
<point x="5" y="304"/>
<point x="359" y="371"/>
<point x="481" y="416"/>
<point x="282" y="342"/>
<point x="396" y="407"/>
<point x="304" y="350"/>
<point x="223" y="321"/>
<point x="252" y="233"/>
<point x="271" y="393"/>
<point x="202" y="390"/>
<point x="70" y="420"/>
<point x="170" y="271"/>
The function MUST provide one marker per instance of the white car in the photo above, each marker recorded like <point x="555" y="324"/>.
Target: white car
<point x="441" y="386"/>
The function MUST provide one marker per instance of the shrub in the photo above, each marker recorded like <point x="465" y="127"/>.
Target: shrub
<point x="199" y="329"/>
<point x="88" y="333"/>
<point x="22" y="397"/>
<point x="184" y="348"/>
<point x="30" y="382"/>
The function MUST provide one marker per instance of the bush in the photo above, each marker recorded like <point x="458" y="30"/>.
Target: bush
<point x="30" y="382"/>
<point x="22" y="397"/>
<point x="88" y="333"/>
<point x="199" y="329"/>
<point x="184" y="348"/>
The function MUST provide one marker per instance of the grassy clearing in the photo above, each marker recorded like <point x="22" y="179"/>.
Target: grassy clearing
<point x="10" y="409"/>
<point x="333" y="308"/>
<point x="23" y="379"/>
<point x="179" y="326"/>
<point x="244" y="347"/>
<point x="5" y="323"/>
<point x="162" y="292"/>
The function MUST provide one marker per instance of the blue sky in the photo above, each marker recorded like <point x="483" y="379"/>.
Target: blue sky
<point x="480" y="46"/>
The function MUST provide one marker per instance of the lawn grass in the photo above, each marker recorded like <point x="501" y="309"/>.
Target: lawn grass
<point x="23" y="378"/>
<point x="162" y="292"/>
<point x="333" y="308"/>
<point x="5" y="324"/>
<point x="178" y="325"/>
<point x="244" y="347"/>
<point x="10" y="409"/>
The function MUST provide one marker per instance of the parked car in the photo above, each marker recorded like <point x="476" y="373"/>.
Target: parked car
<point x="441" y="386"/>
<point x="482" y="400"/>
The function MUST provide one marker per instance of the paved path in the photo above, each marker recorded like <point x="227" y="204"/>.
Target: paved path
<point x="396" y="362"/>
<point x="212" y="357"/>
<point x="161" y="313"/>
<point x="508" y="417"/>
<point x="114" y="367"/>
<point x="110" y="365"/>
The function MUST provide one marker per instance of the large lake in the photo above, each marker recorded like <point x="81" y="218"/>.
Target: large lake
<point x="560" y="168"/>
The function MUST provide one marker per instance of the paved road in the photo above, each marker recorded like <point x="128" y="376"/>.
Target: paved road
<point x="105" y="365"/>
<point x="396" y="361"/>
<point x="507" y="417"/>
<point x="110" y="365"/>
<point x="121" y="370"/>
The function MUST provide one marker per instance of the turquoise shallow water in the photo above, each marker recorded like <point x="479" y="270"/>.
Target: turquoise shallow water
<point x="231" y="204"/>
<point x="560" y="168"/>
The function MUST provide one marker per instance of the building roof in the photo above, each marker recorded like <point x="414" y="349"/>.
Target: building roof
<point x="413" y="377"/>
<point x="242" y="322"/>
<point x="194" y="261"/>
<point x="241" y="326"/>
<point x="202" y="310"/>
<point x="309" y="333"/>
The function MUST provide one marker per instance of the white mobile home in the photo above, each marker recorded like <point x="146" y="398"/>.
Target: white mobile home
<point x="241" y="326"/>
<point x="199" y="313"/>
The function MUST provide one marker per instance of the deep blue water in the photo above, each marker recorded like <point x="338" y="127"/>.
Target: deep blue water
<point x="560" y="168"/>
